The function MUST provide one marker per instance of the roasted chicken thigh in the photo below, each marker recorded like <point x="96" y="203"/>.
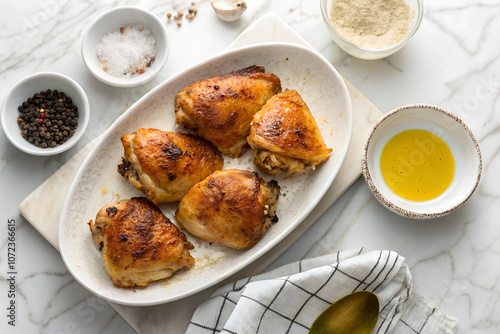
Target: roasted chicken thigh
<point x="285" y="136"/>
<point x="231" y="207"/>
<point x="138" y="242"/>
<point x="165" y="165"/>
<point x="220" y="109"/>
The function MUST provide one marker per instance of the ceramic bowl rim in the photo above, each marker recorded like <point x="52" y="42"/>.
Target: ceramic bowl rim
<point x="162" y="54"/>
<point x="83" y="118"/>
<point x="389" y="204"/>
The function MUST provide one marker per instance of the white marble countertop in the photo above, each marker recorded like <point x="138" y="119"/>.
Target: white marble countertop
<point x="453" y="61"/>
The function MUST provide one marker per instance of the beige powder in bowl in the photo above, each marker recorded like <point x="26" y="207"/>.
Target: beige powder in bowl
<point x="371" y="23"/>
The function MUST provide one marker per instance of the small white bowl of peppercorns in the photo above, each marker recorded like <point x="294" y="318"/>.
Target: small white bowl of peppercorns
<point x="45" y="114"/>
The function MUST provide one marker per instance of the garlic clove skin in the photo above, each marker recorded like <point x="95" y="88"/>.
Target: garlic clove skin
<point x="229" y="10"/>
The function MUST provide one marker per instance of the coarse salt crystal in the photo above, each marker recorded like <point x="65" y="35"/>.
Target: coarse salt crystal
<point x="127" y="51"/>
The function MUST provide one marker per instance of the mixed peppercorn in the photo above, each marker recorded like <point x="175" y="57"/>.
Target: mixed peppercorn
<point x="48" y="119"/>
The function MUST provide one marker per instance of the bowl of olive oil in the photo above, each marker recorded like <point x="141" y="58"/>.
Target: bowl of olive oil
<point x="421" y="161"/>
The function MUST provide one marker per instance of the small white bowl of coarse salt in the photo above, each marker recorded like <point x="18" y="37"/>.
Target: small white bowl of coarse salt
<point x="125" y="46"/>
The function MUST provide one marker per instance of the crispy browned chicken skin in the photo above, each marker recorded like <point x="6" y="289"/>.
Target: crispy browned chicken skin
<point x="165" y="165"/>
<point x="231" y="207"/>
<point x="285" y="136"/>
<point x="220" y="109"/>
<point x="139" y="244"/>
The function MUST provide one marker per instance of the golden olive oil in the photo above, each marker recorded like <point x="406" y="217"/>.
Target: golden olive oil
<point x="417" y="165"/>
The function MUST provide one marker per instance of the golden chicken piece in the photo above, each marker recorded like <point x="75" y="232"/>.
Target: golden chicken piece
<point x="220" y="109"/>
<point x="230" y="207"/>
<point x="285" y="136"/>
<point x="139" y="244"/>
<point x="165" y="165"/>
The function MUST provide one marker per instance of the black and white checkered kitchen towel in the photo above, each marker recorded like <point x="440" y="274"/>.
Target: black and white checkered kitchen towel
<point x="289" y="299"/>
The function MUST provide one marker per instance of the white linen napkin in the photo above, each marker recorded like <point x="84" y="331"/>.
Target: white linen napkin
<point x="289" y="299"/>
